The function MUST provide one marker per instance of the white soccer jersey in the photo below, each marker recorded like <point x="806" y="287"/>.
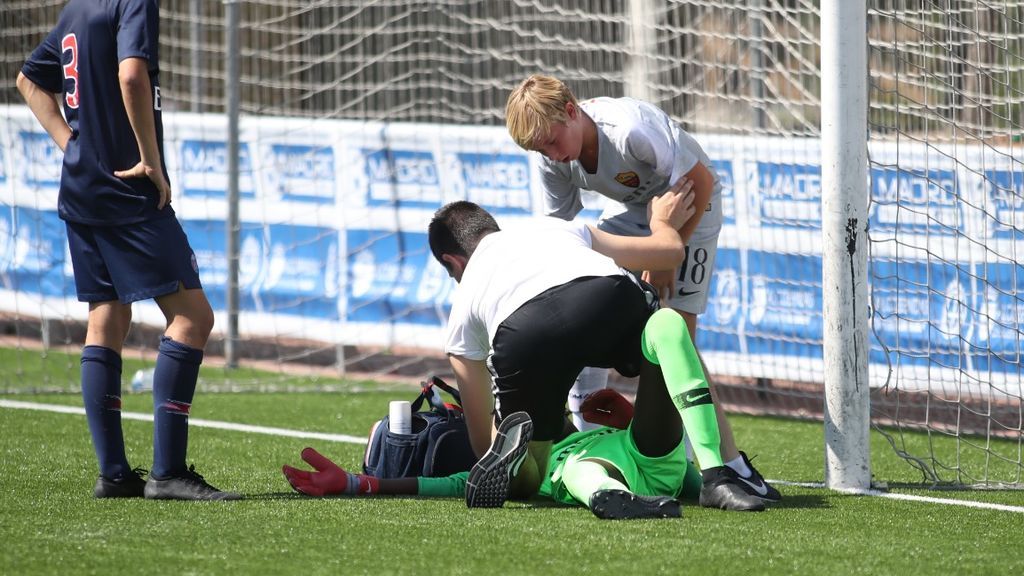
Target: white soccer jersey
<point x="641" y="152"/>
<point x="511" y="267"/>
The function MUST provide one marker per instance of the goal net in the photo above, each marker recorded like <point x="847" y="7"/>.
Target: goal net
<point x="947" y="106"/>
<point x="360" y="118"/>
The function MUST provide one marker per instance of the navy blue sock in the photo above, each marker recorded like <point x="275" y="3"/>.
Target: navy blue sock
<point x="174" y="384"/>
<point x="101" y="394"/>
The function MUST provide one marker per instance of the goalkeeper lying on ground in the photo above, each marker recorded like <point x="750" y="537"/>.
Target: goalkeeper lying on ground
<point x="633" y="473"/>
<point x="599" y="468"/>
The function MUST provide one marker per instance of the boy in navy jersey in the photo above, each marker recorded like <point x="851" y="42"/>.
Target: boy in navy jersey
<point x="100" y="64"/>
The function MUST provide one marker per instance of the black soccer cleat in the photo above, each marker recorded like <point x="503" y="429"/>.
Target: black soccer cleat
<point x="624" y="505"/>
<point x="190" y="485"/>
<point x="487" y="485"/>
<point x="755" y="484"/>
<point x="722" y="489"/>
<point x="130" y="485"/>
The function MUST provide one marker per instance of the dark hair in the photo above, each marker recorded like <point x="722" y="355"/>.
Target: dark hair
<point x="457" y="228"/>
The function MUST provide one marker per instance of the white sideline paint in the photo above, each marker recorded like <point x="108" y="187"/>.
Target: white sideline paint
<point x="192" y="422"/>
<point x="909" y="497"/>
<point x="17" y="405"/>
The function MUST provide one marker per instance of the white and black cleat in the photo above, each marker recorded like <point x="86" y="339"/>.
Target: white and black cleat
<point x="722" y="489"/>
<point x="755" y="484"/>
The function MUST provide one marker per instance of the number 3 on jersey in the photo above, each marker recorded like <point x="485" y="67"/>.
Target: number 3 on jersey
<point x="70" y="44"/>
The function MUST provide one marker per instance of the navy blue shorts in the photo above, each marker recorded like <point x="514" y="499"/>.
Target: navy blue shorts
<point x="131" y="262"/>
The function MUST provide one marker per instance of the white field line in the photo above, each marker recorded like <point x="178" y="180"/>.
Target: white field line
<point x="359" y="440"/>
<point x="909" y="497"/>
<point x="193" y="422"/>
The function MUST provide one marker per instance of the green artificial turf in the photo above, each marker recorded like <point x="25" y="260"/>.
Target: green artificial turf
<point x="49" y="523"/>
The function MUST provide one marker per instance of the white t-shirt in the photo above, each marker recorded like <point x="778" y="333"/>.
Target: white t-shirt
<point x="509" y="268"/>
<point x="641" y="152"/>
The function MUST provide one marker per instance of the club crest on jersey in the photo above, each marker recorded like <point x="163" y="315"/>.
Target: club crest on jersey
<point x="629" y="179"/>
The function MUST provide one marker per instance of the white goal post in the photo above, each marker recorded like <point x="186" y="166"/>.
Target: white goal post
<point x="844" y="199"/>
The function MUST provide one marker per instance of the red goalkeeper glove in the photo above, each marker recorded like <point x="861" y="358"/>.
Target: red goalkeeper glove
<point x="607" y="408"/>
<point x="329" y="479"/>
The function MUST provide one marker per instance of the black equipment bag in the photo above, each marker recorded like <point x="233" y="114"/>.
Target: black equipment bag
<point x="439" y="443"/>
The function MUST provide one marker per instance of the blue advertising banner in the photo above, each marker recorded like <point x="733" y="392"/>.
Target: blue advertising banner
<point x="498" y="182"/>
<point x="33" y="252"/>
<point x="300" y="173"/>
<point x="393" y="277"/>
<point x="922" y="311"/>
<point x="721" y="323"/>
<point x="915" y="201"/>
<point x="783" y="308"/>
<point x="4" y="154"/>
<point x="302" y="269"/>
<point x="402" y="178"/>
<point x="283" y="269"/>
<point x="209" y="242"/>
<point x="204" y="169"/>
<point x="1000" y="319"/>
<point x="953" y="301"/>
<point x="788" y="195"/>
<point x="723" y="168"/>
<point x="43" y="159"/>
<point x="1005" y="195"/>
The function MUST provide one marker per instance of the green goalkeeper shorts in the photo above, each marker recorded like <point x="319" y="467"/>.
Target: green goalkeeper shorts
<point x="645" y="476"/>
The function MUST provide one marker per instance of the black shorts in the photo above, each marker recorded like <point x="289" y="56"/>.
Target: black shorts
<point x="541" y="347"/>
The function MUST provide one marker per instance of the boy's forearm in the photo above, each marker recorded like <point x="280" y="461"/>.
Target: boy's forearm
<point x="46" y="108"/>
<point x="453" y="486"/>
<point x="399" y="486"/>
<point x="665" y="239"/>
<point x="137" y="93"/>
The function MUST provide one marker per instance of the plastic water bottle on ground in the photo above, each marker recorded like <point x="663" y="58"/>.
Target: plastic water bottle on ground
<point x="142" y="381"/>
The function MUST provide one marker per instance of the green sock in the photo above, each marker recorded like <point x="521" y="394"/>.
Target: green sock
<point x="666" y="342"/>
<point x="449" y="486"/>
<point x="584" y="477"/>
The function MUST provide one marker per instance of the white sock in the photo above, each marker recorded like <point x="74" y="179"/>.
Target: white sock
<point x="581" y="424"/>
<point x="740" y="466"/>
<point x="589" y="381"/>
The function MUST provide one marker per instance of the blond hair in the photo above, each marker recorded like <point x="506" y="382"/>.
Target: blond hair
<point x="534" y="106"/>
